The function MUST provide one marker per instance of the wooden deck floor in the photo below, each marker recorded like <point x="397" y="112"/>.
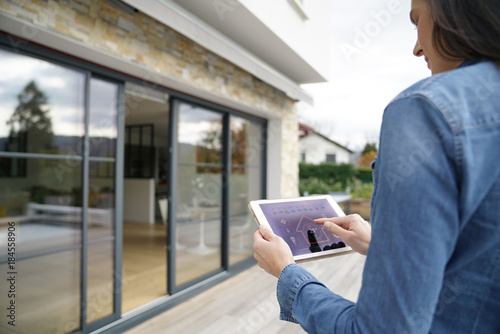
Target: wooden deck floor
<point x="247" y="304"/>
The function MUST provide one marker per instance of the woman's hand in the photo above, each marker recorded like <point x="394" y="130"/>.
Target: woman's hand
<point x="352" y="229"/>
<point x="271" y="252"/>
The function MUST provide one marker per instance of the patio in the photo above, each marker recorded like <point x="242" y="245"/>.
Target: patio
<point x="246" y="303"/>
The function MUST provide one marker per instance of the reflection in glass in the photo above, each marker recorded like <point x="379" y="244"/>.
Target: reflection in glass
<point x="246" y="144"/>
<point x="196" y="191"/>
<point x="103" y="118"/>
<point x="246" y="185"/>
<point x="101" y="200"/>
<point x="200" y="137"/>
<point x="99" y="280"/>
<point x="244" y="188"/>
<point x="199" y="193"/>
<point x="100" y="216"/>
<point x="198" y="225"/>
<point x="42" y="111"/>
<point x="46" y="203"/>
<point x="48" y="298"/>
<point x="42" y="107"/>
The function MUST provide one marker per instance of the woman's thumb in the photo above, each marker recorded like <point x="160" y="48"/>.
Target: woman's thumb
<point x="266" y="232"/>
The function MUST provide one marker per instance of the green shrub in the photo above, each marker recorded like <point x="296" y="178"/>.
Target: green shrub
<point x="362" y="189"/>
<point x="364" y="174"/>
<point x="314" y="185"/>
<point x="341" y="173"/>
<point x="328" y="177"/>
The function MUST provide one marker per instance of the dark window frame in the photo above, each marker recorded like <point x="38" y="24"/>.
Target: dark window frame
<point x="331" y="158"/>
<point x="131" y="159"/>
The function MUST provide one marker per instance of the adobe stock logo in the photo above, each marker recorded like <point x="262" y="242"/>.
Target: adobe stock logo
<point x="364" y="36"/>
<point x="221" y="7"/>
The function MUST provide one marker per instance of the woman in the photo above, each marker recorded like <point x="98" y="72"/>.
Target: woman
<point x="433" y="256"/>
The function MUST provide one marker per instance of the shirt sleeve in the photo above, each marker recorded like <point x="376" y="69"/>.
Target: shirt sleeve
<point x="305" y="300"/>
<point x="414" y="218"/>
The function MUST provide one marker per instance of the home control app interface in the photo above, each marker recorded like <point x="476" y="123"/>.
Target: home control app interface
<point x="294" y="222"/>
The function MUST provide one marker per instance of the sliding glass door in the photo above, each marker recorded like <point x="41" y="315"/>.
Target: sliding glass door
<point x="198" y="225"/>
<point x="115" y="195"/>
<point x="246" y="184"/>
<point x="216" y="168"/>
<point x="58" y="132"/>
<point x="101" y="205"/>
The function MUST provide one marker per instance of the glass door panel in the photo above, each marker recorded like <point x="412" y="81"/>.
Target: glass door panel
<point x="199" y="193"/>
<point x="101" y="239"/>
<point x="41" y="109"/>
<point x="42" y="113"/>
<point x="100" y="296"/>
<point x="102" y="131"/>
<point x="245" y="185"/>
<point x="44" y="213"/>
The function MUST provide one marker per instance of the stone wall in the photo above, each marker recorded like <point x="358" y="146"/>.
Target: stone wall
<point x="141" y="39"/>
<point x="290" y="164"/>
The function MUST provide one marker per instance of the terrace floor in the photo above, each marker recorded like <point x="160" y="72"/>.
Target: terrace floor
<point x="247" y="304"/>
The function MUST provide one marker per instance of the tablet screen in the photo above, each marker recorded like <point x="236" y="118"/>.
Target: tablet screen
<point x="294" y="222"/>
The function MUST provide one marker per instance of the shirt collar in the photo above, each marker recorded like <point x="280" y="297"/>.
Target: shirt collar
<point x="468" y="62"/>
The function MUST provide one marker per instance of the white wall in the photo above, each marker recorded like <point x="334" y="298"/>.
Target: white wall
<point x="310" y="38"/>
<point x="316" y="149"/>
<point x="139" y="200"/>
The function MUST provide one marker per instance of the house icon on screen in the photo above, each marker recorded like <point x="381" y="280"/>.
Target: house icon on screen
<point x="307" y="224"/>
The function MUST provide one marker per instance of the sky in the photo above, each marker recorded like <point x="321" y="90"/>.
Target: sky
<point x="372" y="61"/>
<point x="64" y="89"/>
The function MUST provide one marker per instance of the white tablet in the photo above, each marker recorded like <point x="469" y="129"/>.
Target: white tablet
<point x="293" y="220"/>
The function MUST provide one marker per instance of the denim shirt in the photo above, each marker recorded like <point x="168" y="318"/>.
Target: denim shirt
<point x="433" y="265"/>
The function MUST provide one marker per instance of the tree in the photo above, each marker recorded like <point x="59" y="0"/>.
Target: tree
<point x="31" y="125"/>
<point x="209" y="150"/>
<point x="366" y="159"/>
<point x="30" y="130"/>
<point x="368" y="155"/>
<point x="369" y="147"/>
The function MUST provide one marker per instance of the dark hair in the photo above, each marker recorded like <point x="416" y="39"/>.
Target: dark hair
<point x="466" y="29"/>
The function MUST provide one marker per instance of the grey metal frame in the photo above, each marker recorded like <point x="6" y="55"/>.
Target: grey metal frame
<point x="114" y="322"/>
<point x="226" y="180"/>
<point x="85" y="204"/>
<point x="172" y="200"/>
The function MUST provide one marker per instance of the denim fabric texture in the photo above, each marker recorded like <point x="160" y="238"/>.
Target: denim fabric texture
<point x="433" y="265"/>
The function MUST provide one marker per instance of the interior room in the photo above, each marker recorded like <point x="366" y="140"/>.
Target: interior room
<point x="197" y="191"/>
<point x="144" y="196"/>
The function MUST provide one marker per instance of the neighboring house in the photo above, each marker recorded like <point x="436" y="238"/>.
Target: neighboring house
<point x="132" y="136"/>
<point x="314" y="148"/>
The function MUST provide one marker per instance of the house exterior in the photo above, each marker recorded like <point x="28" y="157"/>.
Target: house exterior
<point x="315" y="148"/>
<point x="132" y="136"/>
